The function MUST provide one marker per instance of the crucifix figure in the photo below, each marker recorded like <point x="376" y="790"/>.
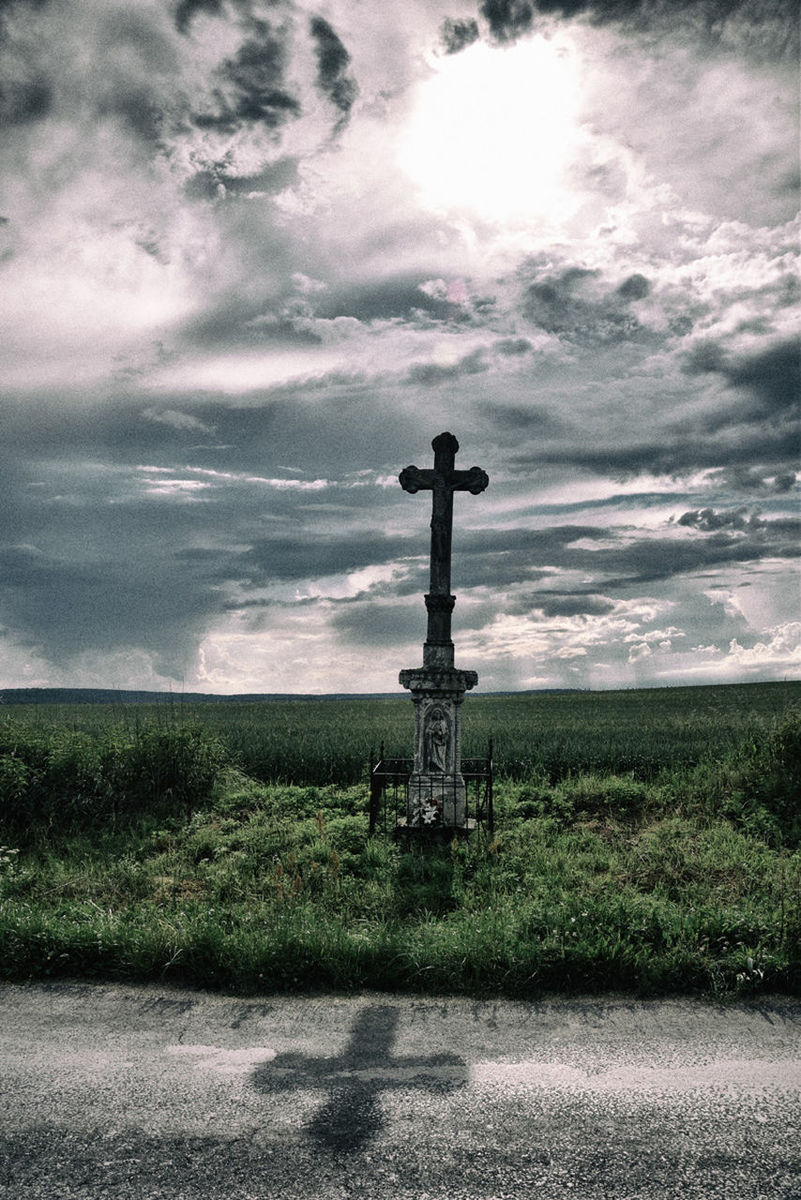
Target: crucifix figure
<point x="443" y="481"/>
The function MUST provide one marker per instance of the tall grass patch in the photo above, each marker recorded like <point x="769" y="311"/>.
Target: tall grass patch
<point x="58" y="776"/>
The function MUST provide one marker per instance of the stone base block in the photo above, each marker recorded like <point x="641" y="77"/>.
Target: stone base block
<point x="436" y="800"/>
<point x="417" y="834"/>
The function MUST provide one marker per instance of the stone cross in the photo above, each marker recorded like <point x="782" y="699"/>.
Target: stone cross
<point x="443" y="481"/>
<point x="436" y="792"/>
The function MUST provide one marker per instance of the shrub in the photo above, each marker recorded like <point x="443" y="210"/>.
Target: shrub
<point x="65" y="777"/>
<point x="758" y="786"/>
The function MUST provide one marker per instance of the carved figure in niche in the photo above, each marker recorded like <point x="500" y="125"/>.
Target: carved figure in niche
<point x="436" y="741"/>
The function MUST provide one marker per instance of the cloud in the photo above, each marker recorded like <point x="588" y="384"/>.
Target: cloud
<point x="770" y="379"/>
<point x="782" y="646"/>
<point x="513" y="346"/>
<point x="215" y="181"/>
<point x="764" y="30"/>
<point x="636" y="287"/>
<point x="177" y="420"/>
<point x="333" y="78"/>
<point x="250" y="85"/>
<point x="576" y="305"/>
<point x="24" y="101"/>
<point x="743" y="424"/>
<point x="374" y="624"/>
<point x="567" y="605"/>
<point x="707" y="519"/>
<point x="186" y="9"/>
<point x="388" y="297"/>
<point x="508" y="19"/>
<point x="430" y="374"/>
<point x="772" y="376"/>
<point x="63" y="609"/>
<point x="457" y="34"/>
<point x="282" y="557"/>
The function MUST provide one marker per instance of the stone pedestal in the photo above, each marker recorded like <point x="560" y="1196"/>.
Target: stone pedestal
<point x="436" y="788"/>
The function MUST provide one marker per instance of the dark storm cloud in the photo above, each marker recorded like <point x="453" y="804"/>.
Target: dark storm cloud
<point x="185" y="11"/>
<point x="751" y="435"/>
<point x="511" y="347"/>
<point x="99" y="552"/>
<point x="562" y="604"/>
<point x="370" y="624"/>
<point x="281" y="558"/>
<point x="65" y="608"/>
<point x="9" y="6"/>
<point x="705" y="356"/>
<point x="383" y="299"/>
<point x="216" y="180"/>
<point x="768" y="382"/>
<point x="333" y="78"/>
<point x="24" y="102"/>
<point x="707" y="519"/>
<point x="256" y="437"/>
<point x="137" y="58"/>
<point x="241" y="320"/>
<point x="288" y="317"/>
<point x="457" y="34"/>
<point x="773" y="376"/>
<point x="434" y="373"/>
<point x="501" y="558"/>
<point x="577" y="306"/>
<point x="508" y="421"/>
<point x="768" y="29"/>
<point x="508" y="19"/>
<point x="506" y="557"/>
<point x="636" y="287"/>
<point x="136" y="107"/>
<point x="676" y="453"/>
<point x="252" y="85"/>
<point x="655" y="560"/>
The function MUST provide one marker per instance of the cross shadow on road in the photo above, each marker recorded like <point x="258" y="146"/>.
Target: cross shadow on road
<point x="352" y="1115"/>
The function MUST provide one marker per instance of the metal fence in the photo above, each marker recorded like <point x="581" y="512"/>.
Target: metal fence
<point x="389" y="796"/>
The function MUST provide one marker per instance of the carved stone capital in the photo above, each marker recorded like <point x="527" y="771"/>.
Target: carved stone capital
<point x="442" y="681"/>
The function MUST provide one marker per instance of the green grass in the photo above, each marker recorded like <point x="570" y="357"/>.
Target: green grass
<point x="141" y="850"/>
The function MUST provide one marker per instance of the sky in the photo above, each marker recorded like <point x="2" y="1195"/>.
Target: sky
<point x="254" y="256"/>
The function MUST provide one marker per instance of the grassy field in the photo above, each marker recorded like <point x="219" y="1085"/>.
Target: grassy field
<point x="330" y="741"/>
<point x="646" y="841"/>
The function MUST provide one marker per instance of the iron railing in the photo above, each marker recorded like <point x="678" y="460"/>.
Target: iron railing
<point x="389" y="788"/>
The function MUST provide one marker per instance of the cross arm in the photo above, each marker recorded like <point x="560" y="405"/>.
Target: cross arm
<point x="412" y="479"/>
<point x="474" y="481"/>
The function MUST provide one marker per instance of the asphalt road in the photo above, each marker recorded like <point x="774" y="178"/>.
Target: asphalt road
<point x="145" y="1092"/>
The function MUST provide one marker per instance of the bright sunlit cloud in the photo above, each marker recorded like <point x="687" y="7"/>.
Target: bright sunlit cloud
<point x="494" y="130"/>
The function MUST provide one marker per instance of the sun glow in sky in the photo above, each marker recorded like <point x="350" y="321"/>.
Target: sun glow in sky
<point x="493" y="131"/>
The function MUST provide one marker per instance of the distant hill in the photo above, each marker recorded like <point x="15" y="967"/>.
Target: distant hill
<point x="117" y="696"/>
